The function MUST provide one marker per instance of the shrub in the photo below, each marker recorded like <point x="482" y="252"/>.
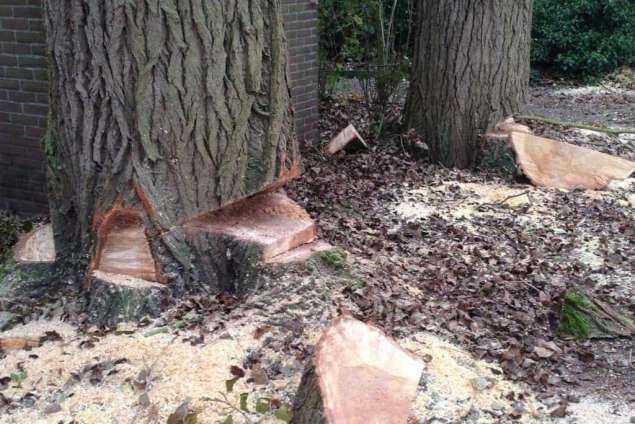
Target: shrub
<point x="349" y="29"/>
<point x="10" y="227"/>
<point x="583" y="38"/>
<point x="368" y="41"/>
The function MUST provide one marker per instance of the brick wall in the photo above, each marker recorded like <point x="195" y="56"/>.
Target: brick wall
<point x="23" y="99"/>
<point x="24" y="93"/>
<point x="302" y="33"/>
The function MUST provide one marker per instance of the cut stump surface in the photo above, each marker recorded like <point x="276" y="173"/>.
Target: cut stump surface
<point x="124" y="247"/>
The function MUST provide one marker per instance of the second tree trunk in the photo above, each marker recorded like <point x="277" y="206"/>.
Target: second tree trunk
<point x="471" y="69"/>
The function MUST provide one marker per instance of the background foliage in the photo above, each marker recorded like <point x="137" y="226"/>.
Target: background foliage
<point x="349" y="29"/>
<point x="583" y="38"/>
<point x="575" y="38"/>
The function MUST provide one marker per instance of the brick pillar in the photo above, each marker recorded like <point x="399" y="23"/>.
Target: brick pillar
<point x="301" y="24"/>
<point x="24" y="94"/>
<point x="23" y="107"/>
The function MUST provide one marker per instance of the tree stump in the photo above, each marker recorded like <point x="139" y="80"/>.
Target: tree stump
<point x="160" y="113"/>
<point x="358" y="376"/>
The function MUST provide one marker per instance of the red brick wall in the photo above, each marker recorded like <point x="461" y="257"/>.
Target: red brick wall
<point x="23" y="105"/>
<point x="23" y="94"/>
<point x="302" y="33"/>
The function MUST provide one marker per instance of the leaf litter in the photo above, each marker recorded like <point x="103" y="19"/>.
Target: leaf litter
<point x="466" y="269"/>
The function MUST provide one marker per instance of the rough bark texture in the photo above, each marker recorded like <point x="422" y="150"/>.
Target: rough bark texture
<point x="169" y="109"/>
<point x="109" y="304"/>
<point x="471" y="69"/>
<point x="307" y="406"/>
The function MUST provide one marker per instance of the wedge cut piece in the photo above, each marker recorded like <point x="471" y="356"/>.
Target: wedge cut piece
<point x="550" y="163"/>
<point x="343" y="139"/>
<point x="36" y="246"/>
<point x="270" y="221"/>
<point x="358" y="376"/>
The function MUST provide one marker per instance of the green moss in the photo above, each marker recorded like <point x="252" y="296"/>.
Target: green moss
<point x="334" y="259"/>
<point x="573" y="322"/>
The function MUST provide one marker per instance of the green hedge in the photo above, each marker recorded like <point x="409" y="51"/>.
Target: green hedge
<point x="584" y="38"/>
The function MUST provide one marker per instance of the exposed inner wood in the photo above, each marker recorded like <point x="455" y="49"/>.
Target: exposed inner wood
<point x="124" y="248"/>
<point x="18" y="343"/>
<point x="36" y="246"/>
<point x="301" y="253"/>
<point x="270" y="220"/>
<point x="343" y="139"/>
<point x="125" y="280"/>
<point x="364" y="377"/>
<point x="550" y="163"/>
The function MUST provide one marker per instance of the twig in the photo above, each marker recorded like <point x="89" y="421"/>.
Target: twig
<point x="613" y="131"/>
<point x="513" y="196"/>
<point x="232" y="406"/>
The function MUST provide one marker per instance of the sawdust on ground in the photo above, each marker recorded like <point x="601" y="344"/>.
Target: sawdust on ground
<point x="450" y="390"/>
<point x="179" y="371"/>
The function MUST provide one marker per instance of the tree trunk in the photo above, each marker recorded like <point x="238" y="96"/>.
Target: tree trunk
<point x="471" y="69"/>
<point x="160" y="111"/>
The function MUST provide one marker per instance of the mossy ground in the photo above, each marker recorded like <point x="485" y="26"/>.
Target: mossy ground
<point x="335" y="263"/>
<point x="573" y="322"/>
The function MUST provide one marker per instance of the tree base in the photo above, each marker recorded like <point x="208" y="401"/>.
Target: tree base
<point x="497" y="154"/>
<point x="24" y="281"/>
<point x="307" y="406"/>
<point x="115" y="298"/>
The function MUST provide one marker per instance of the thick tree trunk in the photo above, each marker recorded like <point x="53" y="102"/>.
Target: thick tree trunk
<point x="471" y="69"/>
<point x="160" y="111"/>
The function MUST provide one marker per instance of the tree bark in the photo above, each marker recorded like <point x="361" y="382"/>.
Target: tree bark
<point x="470" y="69"/>
<point x="160" y="111"/>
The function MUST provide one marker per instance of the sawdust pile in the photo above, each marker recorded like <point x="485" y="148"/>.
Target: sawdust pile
<point x="98" y="380"/>
<point x="457" y="386"/>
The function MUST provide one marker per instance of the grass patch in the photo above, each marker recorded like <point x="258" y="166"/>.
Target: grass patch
<point x="573" y="322"/>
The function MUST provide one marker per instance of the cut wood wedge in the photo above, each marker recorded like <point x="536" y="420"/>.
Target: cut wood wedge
<point x="358" y="376"/>
<point x="550" y="163"/>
